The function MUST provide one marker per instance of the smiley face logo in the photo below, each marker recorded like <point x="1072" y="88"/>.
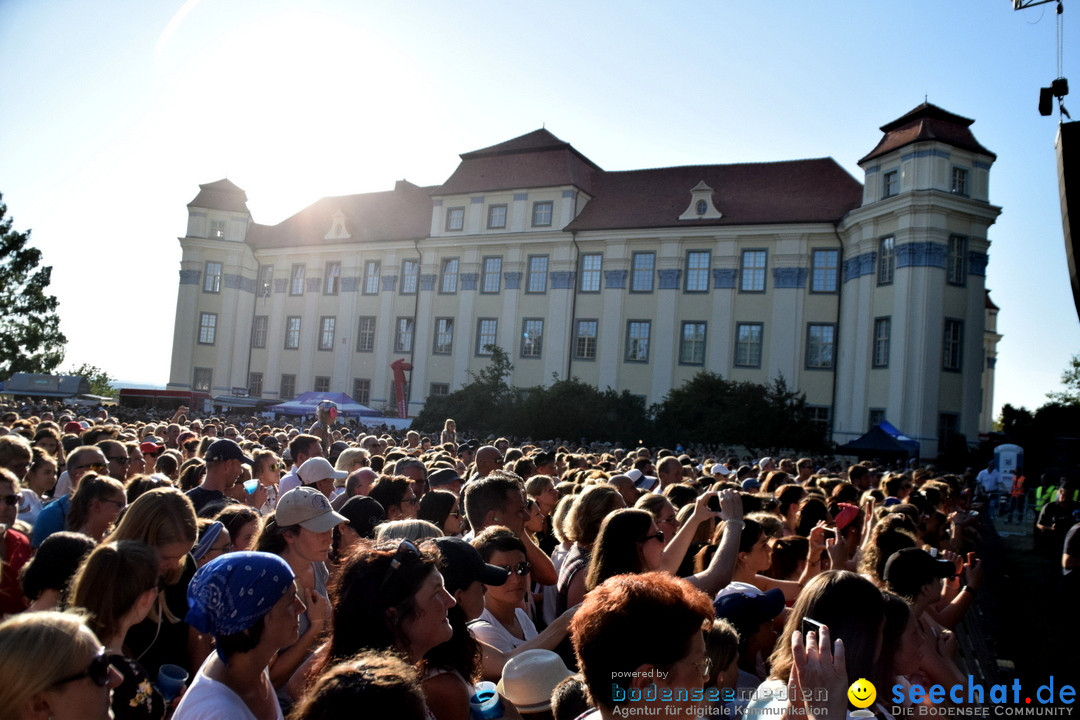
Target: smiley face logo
<point x="862" y="693"/>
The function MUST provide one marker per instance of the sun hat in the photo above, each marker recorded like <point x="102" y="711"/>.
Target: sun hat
<point x="530" y="677"/>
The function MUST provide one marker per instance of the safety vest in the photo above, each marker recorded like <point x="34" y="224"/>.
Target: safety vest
<point x="1017" y="486"/>
<point x="1043" y="493"/>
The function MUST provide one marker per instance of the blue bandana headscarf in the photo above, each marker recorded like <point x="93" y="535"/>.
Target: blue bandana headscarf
<point x="231" y="592"/>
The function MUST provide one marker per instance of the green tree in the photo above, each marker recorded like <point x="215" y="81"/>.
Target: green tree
<point x="1070" y="378"/>
<point x="30" y="337"/>
<point x="100" y="381"/>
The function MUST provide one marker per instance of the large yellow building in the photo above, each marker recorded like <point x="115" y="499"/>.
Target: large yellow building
<point x="869" y="298"/>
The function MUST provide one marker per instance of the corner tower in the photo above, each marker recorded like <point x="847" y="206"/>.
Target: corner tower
<point x="914" y="270"/>
<point x="217" y="291"/>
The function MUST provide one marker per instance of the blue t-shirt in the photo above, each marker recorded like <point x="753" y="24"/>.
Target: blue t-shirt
<point x="51" y="519"/>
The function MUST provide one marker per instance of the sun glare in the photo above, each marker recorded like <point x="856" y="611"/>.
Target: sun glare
<point x="295" y="106"/>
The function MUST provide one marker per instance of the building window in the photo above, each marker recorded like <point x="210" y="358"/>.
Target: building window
<point x="532" y="337"/>
<point x="641" y="276"/>
<point x="212" y="280"/>
<point x="258" y="331"/>
<point x="365" y="334"/>
<point x="882" y="332"/>
<point x="288" y="387"/>
<point x="455" y="218"/>
<point x="890" y="183"/>
<point x="748" y="339"/>
<point x="266" y="280"/>
<point x="201" y="381"/>
<point x="692" y="344"/>
<point x="449" y="276"/>
<point x="590" y="272"/>
<point x="697" y="270"/>
<point x="820" y="346"/>
<point x="296" y="279"/>
<point x="585" y="340"/>
<point x="322" y="384"/>
<point x="877" y="416"/>
<point x="492" y="279"/>
<point x="332" y="280"/>
<point x="207" y="328"/>
<point x="440" y="389"/>
<point x="403" y="335"/>
<point x="372" y="269"/>
<point x="542" y="213"/>
<point x="410" y="276"/>
<point x="948" y="426"/>
<point x="255" y="384"/>
<point x="820" y="416"/>
<point x="824" y="271"/>
<point x="956" y="267"/>
<point x="326" y="333"/>
<point x="486" y="331"/>
<point x="496" y="217"/>
<point x="702" y="207"/>
<point x="886" y="267"/>
<point x="752" y="270"/>
<point x="959" y="181"/>
<point x="361" y="390"/>
<point x="217" y="228"/>
<point x="637" y="340"/>
<point x="538" y="267"/>
<point x="444" y="336"/>
<point x="292" y="332"/>
<point x="953" y="355"/>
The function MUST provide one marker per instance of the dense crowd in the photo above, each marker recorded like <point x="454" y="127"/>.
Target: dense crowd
<point x="166" y="566"/>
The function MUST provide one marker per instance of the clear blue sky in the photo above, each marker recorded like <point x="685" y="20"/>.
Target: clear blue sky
<point x="115" y="111"/>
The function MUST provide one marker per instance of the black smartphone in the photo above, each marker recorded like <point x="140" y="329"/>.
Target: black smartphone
<point x="809" y="626"/>
<point x="714" y="503"/>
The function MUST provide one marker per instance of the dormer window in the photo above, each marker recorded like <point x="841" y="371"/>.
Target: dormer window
<point x="217" y="228"/>
<point x="701" y="205"/>
<point x="338" y="231"/>
<point x="959" y="181"/>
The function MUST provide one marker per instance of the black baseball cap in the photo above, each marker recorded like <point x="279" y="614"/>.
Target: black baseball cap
<point x="908" y="570"/>
<point x="463" y="565"/>
<point x="225" y="449"/>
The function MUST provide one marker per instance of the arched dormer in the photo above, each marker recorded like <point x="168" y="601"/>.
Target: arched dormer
<point x="701" y="205"/>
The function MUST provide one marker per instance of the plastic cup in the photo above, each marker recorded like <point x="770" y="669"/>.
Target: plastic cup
<point x="250" y="486"/>
<point x="485" y="704"/>
<point x="170" y="680"/>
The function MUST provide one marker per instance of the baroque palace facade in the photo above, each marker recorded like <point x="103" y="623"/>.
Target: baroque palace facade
<point x="869" y="298"/>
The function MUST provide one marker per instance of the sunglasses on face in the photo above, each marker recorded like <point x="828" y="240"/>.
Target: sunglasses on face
<point x="192" y="446"/>
<point x="10" y="500"/>
<point x="522" y="569"/>
<point x="122" y="460"/>
<point x="658" y="535"/>
<point x="98" y="672"/>
<point x="404" y="549"/>
<point x="95" y="466"/>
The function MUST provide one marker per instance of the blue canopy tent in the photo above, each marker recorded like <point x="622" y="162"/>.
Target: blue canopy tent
<point x="306" y="403"/>
<point x="884" y="441"/>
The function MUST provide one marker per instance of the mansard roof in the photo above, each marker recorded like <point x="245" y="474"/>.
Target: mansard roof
<point x="927" y="122"/>
<point x="534" y="160"/>
<point x="403" y="213"/>
<point x="221" y="195"/>
<point x="792" y="191"/>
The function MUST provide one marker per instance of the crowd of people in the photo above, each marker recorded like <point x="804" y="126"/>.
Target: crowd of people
<point x="327" y="572"/>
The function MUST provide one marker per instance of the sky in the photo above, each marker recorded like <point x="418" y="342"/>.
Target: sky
<point x="114" y="112"/>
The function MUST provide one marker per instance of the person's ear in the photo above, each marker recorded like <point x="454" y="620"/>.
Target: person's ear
<point x="644" y="675"/>
<point x="38" y="707"/>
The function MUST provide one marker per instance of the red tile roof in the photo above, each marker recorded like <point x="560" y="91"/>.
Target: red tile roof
<point x="221" y="195"/>
<point x="793" y="191"/>
<point x="403" y="213"/>
<point x="924" y="123"/>
<point x="537" y="159"/>
<point x="988" y="303"/>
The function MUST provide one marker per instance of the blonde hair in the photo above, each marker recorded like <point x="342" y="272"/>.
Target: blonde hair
<point x="37" y="650"/>
<point x="592" y="506"/>
<point x="158" y="517"/>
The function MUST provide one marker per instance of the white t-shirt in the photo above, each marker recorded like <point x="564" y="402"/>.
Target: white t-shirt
<point x="63" y="485"/>
<point x="29" y="505"/>
<point x="208" y="699"/>
<point x="489" y="630"/>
